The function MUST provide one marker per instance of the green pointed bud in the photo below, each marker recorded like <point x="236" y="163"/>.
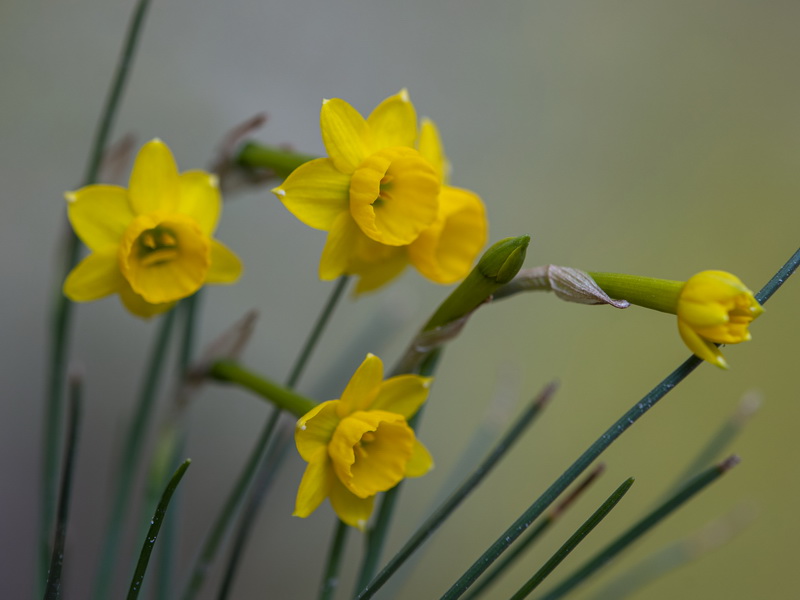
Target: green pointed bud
<point x="502" y="261"/>
<point x="498" y="265"/>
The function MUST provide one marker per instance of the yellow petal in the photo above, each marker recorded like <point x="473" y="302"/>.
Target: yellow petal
<point x="446" y="251"/>
<point x="350" y="509"/>
<point x="225" y="265"/>
<point x="362" y="387"/>
<point x="339" y="247"/>
<point x="315" y="428"/>
<point x="316" y="193"/>
<point x="430" y="146"/>
<point x="95" y="277"/>
<point x="703" y="314"/>
<point x="393" y="122"/>
<point x="403" y="394"/>
<point x="371" y="276"/>
<point x="370" y="450"/>
<point x="154" y="183"/>
<point x="99" y="214"/>
<point x="162" y="273"/>
<point x="700" y="347"/>
<point x="345" y="134"/>
<point x="315" y="485"/>
<point x="420" y="462"/>
<point x="200" y="199"/>
<point x="394" y="195"/>
<point x="138" y="306"/>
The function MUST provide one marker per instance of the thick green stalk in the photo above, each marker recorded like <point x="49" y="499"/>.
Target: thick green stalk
<point x="152" y="533"/>
<point x="658" y="294"/>
<point x="277" y="160"/>
<point x="130" y="458"/>
<point x="641" y="527"/>
<point x="432" y="523"/>
<point x="280" y="396"/>
<point x="53" y="587"/>
<point x="573" y="541"/>
<point x="62" y="309"/>
<point x="598" y="447"/>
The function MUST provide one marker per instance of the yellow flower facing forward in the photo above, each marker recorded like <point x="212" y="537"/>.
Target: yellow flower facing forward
<point x="715" y="307"/>
<point x="361" y="444"/>
<point x="150" y="243"/>
<point x="381" y="197"/>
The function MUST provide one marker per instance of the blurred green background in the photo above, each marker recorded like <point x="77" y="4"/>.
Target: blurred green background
<point x="654" y="138"/>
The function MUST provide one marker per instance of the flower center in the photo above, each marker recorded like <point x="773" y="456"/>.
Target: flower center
<point x="157" y="246"/>
<point x="394" y="195"/>
<point x="164" y="257"/>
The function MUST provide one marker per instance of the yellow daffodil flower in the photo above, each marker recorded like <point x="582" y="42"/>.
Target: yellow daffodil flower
<point x="150" y="243"/>
<point x="382" y="198"/>
<point x="361" y="444"/>
<point x="715" y="307"/>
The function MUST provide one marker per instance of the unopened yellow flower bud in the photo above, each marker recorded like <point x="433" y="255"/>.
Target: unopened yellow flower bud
<point x="713" y="307"/>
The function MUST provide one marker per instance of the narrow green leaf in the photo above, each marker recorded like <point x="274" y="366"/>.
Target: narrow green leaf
<point x="152" y="534"/>
<point x="533" y="534"/>
<point x="130" y="458"/>
<point x="573" y="541"/>
<point x="641" y="527"/>
<point x="445" y="510"/>
<point x="53" y="586"/>
<point x="62" y="306"/>
<point x="330" y="575"/>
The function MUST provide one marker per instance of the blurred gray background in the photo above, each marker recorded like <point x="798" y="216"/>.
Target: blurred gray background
<point x="654" y="138"/>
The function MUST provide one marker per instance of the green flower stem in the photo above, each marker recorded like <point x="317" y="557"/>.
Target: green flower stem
<point x="641" y="527"/>
<point x="62" y="307"/>
<point x="174" y="445"/>
<point x="281" y="162"/>
<point x="331" y="576"/>
<point x="152" y="534"/>
<point x="575" y="539"/>
<point x="376" y="536"/>
<point x="53" y="586"/>
<point x="497" y="266"/>
<point x="598" y="447"/>
<point x="432" y="523"/>
<point x="649" y="292"/>
<point x="533" y="534"/>
<point x="130" y="457"/>
<point x="234" y="500"/>
<point x="282" y="397"/>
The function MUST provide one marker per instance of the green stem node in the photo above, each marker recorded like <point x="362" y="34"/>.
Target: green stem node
<point x="281" y="397"/>
<point x="649" y="292"/>
<point x="279" y="161"/>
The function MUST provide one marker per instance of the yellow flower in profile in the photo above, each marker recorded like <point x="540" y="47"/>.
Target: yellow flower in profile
<point x="715" y="307"/>
<point x="150" y="243"/>
<point x="382" y="198"/>
<point x="361" y="444"/>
